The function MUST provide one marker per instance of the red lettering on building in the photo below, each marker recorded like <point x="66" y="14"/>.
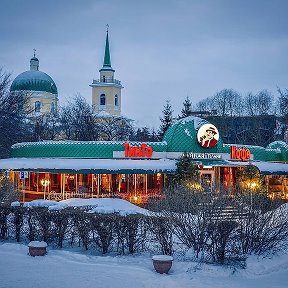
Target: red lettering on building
<point x="240" y="154"/>
<point x="142" y="151"/>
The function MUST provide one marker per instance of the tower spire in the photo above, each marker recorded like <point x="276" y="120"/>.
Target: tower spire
<point x="107" y="60"/>
<point x="34" y="62"/>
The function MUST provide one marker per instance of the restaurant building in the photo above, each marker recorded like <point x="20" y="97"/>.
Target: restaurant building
<point x="137" y="171"/>
<point x="134" y="171"/>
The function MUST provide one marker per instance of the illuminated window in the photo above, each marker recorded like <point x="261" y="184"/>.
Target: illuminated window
<point x="37" y="106"/>
<point x="102" y="99"/>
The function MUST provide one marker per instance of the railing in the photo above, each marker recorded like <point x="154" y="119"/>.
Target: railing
<point x="138" y="197"/>
<point x="98" y="81"/>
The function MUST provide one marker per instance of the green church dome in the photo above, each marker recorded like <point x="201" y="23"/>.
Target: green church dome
<point x="182" y="136"/>
<point x="34" y="80"/>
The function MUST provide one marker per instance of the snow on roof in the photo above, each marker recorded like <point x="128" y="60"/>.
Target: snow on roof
<point x="245" y="145"/>
<point x="87" y="164"/>
<point x="71" y="142"/>
<point x="196" y="120"/>
<point x="266" y="168"/>
<point x="103" y="113"/>
<point x="32" y="75"/>
<point x="278" y="143"/>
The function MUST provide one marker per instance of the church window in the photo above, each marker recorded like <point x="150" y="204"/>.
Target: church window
<point x="37" y="106"/>
<point x="102" y="99"/>
<point x="116" y="100"/>
<point x="52" y="108"/>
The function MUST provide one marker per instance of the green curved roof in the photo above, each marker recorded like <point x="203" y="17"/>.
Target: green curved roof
<point x="283" y="146"/>
<point x="75" y="149"/>
<point x="182" y="136"/>
<point x="259" y="153"/>
<point x="34" y="80"/>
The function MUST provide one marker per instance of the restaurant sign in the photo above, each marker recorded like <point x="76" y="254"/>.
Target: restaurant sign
<point x="240" y="153"/>
<point x="210" y="156"/>
<point x="208" y="136"/>
<point x="142" y="151"/>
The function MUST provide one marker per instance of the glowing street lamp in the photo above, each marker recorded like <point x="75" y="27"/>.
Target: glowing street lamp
<point x="45" y="183"/>
<point x="252" y="187"/>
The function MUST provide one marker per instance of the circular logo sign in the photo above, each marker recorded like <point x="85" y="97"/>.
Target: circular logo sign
<point x="208" y="136"/>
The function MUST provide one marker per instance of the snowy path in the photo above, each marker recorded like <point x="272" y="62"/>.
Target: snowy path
<point x="60" y="269"/>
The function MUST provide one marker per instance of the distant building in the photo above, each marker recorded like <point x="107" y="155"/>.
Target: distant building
<point x="40" y="87"/>
<point x="252" y="130"/>
<point x="106" y="91"/>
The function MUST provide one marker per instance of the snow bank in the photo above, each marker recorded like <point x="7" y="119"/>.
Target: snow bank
<point x="62" y="268"/>
<point x="97" y="205"/>
<point x="15" y="204"/>
<point x="106" y="205"/>
<point x="40" y="203"/>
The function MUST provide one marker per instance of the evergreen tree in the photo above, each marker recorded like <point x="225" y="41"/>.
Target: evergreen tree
<point x="166" y="120"/>
<point x="141" y="135"/>
<point x="187" y="109"/>
<point x="250" y="179"/>
<point x="187" y="173"/>
<point x="154" y="136"/>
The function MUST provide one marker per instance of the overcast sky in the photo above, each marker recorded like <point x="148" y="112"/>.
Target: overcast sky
<point x="161" y="50"/>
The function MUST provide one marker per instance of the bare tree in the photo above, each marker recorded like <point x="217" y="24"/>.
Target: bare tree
<point x="114" y="128"/>
<point x="228" y="102"/>
<point x="77" y="120"/>
<point x="283" y="101"/>
<point x="13" y="111"/>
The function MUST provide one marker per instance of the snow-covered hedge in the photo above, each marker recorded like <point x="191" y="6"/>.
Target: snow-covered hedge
<point x="122" y="228"/>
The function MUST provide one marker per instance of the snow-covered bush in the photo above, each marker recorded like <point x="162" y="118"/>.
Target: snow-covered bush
<point x="103" y="226"/>
<point x="131" y="232"/>
<point x="162" y="229"/>
<point x="61" y="220"/>
<point x="4" y="213"/>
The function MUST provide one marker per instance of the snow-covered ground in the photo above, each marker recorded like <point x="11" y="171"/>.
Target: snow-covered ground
<point x="62" y="268"/>
<point x="73" y="268"/>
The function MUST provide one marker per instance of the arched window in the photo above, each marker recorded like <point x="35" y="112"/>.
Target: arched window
<point x="37" y="106"/>
<point x="102" y="99"/>
<point x="116" y="100"/>
<point x="52" y="108"/>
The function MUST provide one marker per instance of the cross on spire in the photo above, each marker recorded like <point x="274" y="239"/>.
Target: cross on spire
<point x="107" y="25"/>
<point x="34" y="52"/>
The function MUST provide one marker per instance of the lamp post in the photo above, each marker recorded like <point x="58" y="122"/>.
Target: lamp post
<point x="251" y="185"/>
<point x="45" y="183"/>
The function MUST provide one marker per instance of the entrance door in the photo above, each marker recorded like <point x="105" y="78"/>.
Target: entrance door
<point x="207" y="180"/>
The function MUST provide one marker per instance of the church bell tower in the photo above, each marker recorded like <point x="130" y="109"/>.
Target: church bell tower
<point x="106" y="91"/>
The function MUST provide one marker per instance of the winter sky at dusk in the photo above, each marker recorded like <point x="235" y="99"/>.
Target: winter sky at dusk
<point x="161" y="50"/>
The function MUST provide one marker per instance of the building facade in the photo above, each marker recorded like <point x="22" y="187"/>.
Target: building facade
<point x="137" y="171"/>
<point x="40" y="89"/>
